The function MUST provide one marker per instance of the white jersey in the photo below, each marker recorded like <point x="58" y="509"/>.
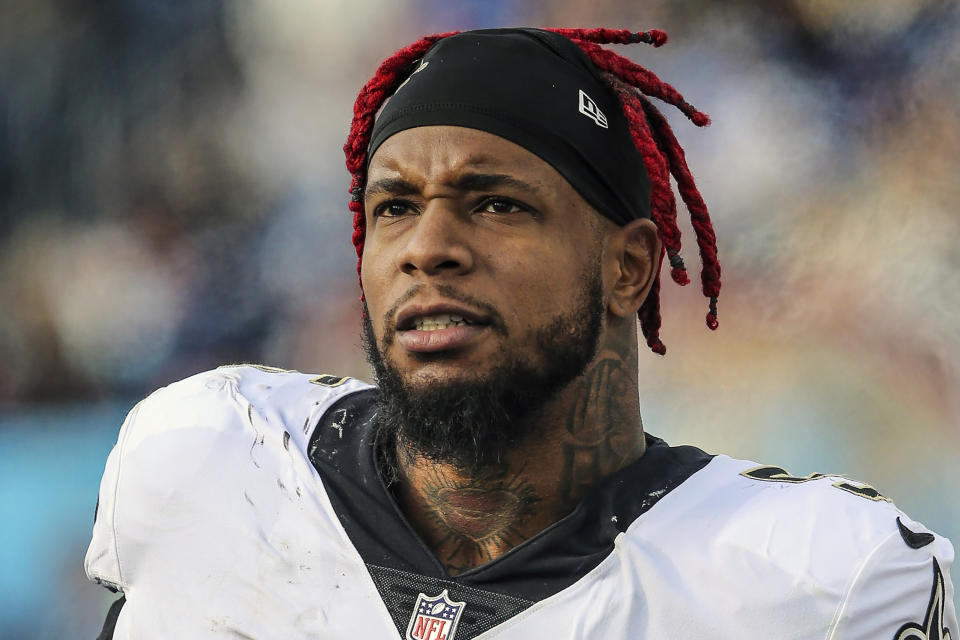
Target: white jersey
<point x="245" y="503"/>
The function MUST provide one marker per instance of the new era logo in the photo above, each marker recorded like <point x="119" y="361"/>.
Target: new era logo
<point x="590" y="109"/>
<point x="420" y="67"/>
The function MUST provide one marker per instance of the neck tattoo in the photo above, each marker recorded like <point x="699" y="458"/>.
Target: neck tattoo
<point x="476" y="519"/>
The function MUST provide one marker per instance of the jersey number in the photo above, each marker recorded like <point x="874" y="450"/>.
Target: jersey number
<point x="778" y="474"/>
<point x="327" y="380"/>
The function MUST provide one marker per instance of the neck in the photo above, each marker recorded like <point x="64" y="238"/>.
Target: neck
<point x="590" y="430"/>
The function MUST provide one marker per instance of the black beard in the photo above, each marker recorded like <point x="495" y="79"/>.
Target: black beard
<point x="472" y="423"/>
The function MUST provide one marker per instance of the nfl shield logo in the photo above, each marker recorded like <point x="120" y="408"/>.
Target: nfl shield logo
<point x="434" y="618"/>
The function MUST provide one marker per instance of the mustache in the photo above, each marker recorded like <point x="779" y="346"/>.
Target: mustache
<point x="449" y="292"/>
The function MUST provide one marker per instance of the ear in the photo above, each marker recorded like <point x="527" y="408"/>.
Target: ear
<point x="636" y="251"/>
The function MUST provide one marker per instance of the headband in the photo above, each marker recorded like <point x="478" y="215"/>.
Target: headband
<point x="536" y="89"/>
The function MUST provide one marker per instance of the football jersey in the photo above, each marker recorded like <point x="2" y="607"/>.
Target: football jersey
<point x="245" y="502"/>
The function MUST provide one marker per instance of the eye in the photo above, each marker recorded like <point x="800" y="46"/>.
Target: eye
<point x="502" y="206"/>
<point x="393" y="209"/>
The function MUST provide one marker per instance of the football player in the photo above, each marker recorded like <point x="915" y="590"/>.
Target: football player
<point x="512" y="202"/>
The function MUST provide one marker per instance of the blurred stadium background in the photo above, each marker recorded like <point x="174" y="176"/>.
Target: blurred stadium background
<point x="173" y="197"/>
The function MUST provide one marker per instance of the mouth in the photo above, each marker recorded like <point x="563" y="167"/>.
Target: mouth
<point x="439" y="322"/>
<point x="439" y="327"/>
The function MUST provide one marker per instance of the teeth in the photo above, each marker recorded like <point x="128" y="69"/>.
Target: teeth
<point x="442" y="321"/>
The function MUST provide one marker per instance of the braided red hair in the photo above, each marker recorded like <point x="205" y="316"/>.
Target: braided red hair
<point x="662" y="154"/>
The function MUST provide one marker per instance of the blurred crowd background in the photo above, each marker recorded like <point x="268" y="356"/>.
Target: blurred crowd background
<point x="173" y="197"/>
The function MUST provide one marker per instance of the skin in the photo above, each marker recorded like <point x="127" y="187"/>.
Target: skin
<point x="519" y="243"/>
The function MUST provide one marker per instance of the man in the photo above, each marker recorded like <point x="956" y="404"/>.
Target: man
<point x="512" y="208"/>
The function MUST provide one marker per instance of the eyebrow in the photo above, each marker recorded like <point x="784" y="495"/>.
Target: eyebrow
<point x="466" y="182"/>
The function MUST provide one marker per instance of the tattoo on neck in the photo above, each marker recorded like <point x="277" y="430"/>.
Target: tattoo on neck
<point x="478" y="518"/>
<point x="602" y="429"/>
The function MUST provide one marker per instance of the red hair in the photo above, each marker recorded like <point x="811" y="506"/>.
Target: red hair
<point x="662" y="154"/>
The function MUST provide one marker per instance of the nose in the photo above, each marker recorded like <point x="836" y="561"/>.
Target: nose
<point x="437" y="244"/>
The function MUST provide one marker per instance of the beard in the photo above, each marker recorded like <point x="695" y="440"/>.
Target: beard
<point x="473" y="422"/>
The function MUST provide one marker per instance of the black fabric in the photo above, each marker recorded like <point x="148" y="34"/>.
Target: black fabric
<point x="525" y="85"/>
<point x="399" y="591"/>
<point x="342" y="451"/>
<point x="111" y="622"/>
<point x="913" y="539"/>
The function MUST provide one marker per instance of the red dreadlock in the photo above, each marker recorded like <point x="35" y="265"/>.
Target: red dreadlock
<point x="662" y="154"/>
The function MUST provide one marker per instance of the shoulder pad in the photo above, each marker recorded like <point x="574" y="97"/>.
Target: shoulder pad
<point x="166" y="446"/>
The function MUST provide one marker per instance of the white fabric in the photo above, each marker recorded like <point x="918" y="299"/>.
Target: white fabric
<point x="214" y="524"/>
<point x="724" y="556"/>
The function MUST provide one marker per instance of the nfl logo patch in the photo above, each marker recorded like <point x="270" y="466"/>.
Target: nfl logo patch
<point x="434" y="618"/>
